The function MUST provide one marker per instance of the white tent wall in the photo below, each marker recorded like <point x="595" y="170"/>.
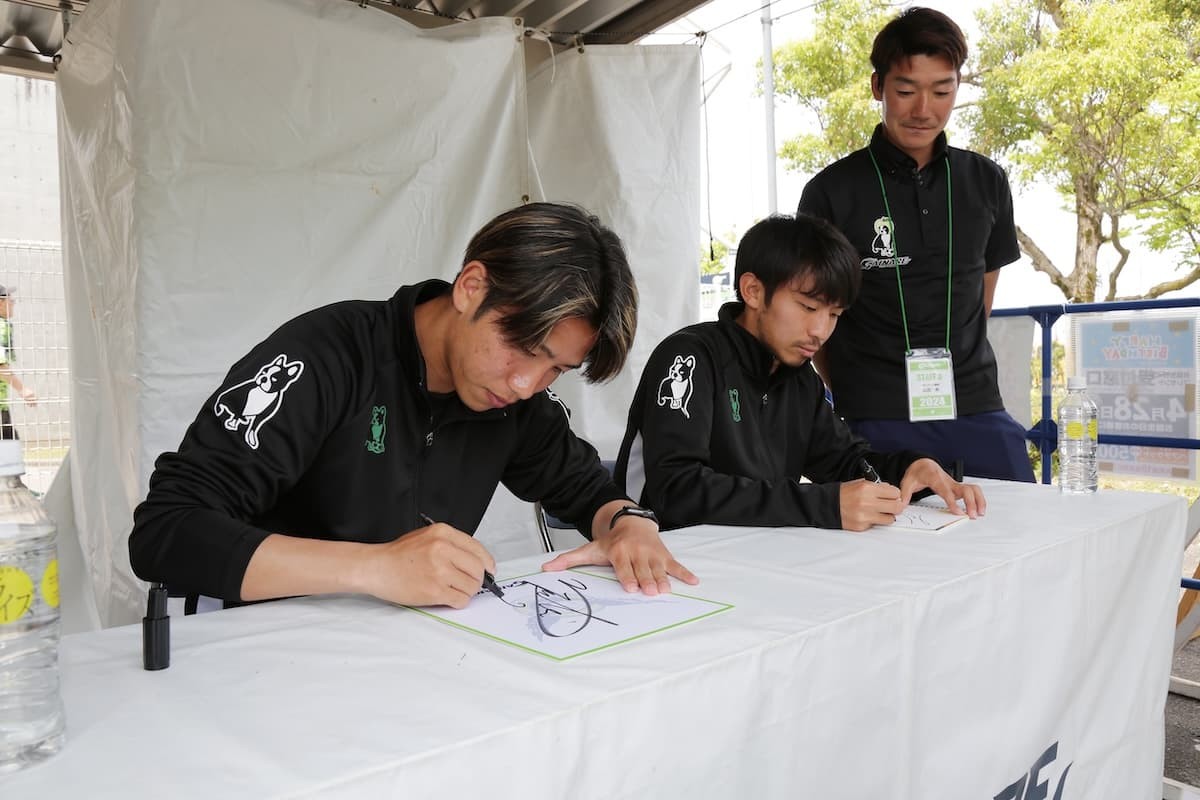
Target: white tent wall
<point x="594" y="142"/>
<point x="215" y="187"/>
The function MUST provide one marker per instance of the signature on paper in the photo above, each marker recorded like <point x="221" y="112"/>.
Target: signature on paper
<point x="557" y="612"/>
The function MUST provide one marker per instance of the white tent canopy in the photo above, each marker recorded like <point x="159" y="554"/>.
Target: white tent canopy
<point x="217" y="183"/>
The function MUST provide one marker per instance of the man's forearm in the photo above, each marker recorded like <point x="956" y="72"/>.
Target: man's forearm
<point x="285" y="566"/>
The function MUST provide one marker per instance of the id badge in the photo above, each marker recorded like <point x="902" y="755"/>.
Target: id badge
<point x="930" y="373"/>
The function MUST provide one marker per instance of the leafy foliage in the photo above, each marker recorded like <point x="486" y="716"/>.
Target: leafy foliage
<point x="1098" y="98"/>
<point x="712" y="258"/>
<point x="830" y="75"/>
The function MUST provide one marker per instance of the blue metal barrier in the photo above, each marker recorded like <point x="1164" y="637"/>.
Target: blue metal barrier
<point x="1045" y="432"/>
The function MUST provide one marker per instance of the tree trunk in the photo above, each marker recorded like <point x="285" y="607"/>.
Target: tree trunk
<point x="1088" y="238"/>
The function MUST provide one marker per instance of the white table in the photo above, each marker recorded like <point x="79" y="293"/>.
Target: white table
<point x="887" y="664"/>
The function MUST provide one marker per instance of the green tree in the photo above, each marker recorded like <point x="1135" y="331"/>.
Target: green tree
<point x="712" y="258"/>
<point x="1098" y="98"/>
<point x="1058" y="371"/>
<point x="829" y="74"/>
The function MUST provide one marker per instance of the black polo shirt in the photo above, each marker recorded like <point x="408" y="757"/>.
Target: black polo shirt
<point x="866" y="351"/>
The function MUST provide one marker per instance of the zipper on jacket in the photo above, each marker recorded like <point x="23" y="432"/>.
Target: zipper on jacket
<point x="424" y="453"/>
<point x="418" y="502"/>
<point x="434" y="429"/>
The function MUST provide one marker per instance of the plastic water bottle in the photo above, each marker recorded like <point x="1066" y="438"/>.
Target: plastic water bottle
<point x="32" y="723"/>
<point x="1077" y="440"/>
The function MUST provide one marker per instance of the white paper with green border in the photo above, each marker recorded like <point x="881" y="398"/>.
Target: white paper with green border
<point x="561" y="615"/>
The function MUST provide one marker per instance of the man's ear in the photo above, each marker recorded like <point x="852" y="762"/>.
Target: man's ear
<point x="752" y="290"/>
<point x="470" y="287"/>
<point x="876" y="86"/>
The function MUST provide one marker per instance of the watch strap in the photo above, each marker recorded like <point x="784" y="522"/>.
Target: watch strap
<point x="632" y="511"/>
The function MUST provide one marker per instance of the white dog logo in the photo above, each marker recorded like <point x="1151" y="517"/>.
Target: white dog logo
<point x="884" y="243"/>
<point x="676" y="388"/>
<point x="253" y="402"/>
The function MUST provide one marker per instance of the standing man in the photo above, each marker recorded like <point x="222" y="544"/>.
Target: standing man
<point x="910" y="366"/>
<point x="357" y="447"/>
<point x="7" y="376"/>
<point x="729" y="415"/>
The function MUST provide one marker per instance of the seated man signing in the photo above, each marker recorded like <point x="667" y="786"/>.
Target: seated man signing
<point x="730" y="414"/>
<point x="358" y="446"/>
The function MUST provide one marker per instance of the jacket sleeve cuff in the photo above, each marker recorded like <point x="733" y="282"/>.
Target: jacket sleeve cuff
<point x="240" y="553"/>
<point x="599" y="500"/>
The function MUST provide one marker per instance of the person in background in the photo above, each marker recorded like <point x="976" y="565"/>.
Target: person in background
<point x="7" y="376"/>
<point x="358" y="446"/>
<point x="730" y="415"/>
<point x="910" y="366"/>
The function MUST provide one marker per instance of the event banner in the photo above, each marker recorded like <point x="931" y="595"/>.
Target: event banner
<point x="1141" y="371"/>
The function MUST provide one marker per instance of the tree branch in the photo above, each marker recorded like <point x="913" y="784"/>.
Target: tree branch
<point x="1171" y="286"/>
<point x="1041" y="261"/>
<point x="1055" y="9"/>
<point x="1115" y="239"/>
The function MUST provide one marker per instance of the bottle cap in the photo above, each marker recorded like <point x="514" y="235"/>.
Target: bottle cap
<point x="12" y="459"/>
<point x="1076" y="382"/>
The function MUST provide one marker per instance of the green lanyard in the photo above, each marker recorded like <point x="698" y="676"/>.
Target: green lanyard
<point x="896" y="244"/>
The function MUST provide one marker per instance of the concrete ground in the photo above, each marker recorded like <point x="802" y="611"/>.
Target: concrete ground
<point x="1182" y="760"/>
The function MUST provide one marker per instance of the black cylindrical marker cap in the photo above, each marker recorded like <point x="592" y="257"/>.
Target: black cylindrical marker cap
<point x="156" y="630"/>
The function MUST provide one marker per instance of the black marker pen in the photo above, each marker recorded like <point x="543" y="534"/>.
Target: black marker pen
<point x="868" y="471"/>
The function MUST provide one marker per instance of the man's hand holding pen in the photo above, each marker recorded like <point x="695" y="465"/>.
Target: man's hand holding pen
<point x="437" y="565"/>
<point x="870" y="501"/>
<point x="489" y="580"/>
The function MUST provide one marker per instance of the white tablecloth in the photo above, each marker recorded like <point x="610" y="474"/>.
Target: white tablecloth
<point x="1032" y="645"/>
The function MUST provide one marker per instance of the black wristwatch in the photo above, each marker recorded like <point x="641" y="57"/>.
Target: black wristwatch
<point x="633" y="511"/>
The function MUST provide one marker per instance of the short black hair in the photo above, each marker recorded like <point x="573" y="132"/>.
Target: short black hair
<point x="781" y="249"/>
<point x="547" y="262"/>
<point x="918" y="32"/>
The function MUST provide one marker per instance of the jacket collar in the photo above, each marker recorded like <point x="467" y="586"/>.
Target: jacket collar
<point x="403" y="307"/>
<point x="752" y="354"/>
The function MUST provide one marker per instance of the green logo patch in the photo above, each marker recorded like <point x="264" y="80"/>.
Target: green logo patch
<point x="735" y="405"/>
<point x="378" y="429"/>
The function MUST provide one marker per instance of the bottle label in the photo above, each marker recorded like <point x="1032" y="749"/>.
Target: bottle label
<point x="1074" y="430"/>
<point x="49" y="585"/>
<point x="16" y="593"/>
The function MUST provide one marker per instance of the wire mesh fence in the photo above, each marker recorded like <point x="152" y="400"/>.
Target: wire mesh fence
<point x="33" y="274"/>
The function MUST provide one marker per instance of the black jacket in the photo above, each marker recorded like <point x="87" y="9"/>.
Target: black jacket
<point x="715" y="437"/>
<point x="325" y="431"/>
